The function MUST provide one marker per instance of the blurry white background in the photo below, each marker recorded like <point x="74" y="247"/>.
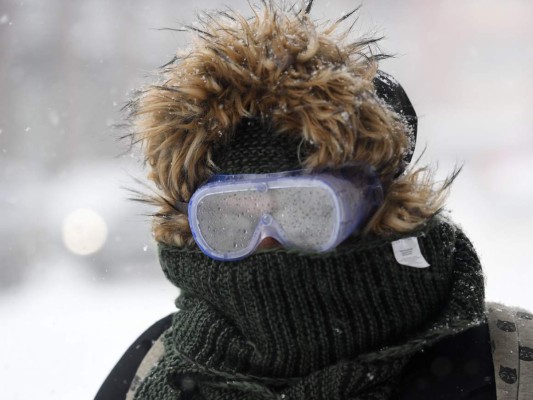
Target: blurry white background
<point x="79" y="278"/>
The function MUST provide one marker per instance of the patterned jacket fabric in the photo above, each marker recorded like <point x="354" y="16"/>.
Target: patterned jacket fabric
<point x="511" y="331"/>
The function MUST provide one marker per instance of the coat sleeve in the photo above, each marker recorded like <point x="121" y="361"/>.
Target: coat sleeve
<point x="119" y="380"/>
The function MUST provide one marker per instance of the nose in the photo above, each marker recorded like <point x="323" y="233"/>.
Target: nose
<point x="268" y="243"/>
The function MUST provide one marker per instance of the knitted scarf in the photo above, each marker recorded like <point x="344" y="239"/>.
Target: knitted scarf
<point x="284" y="325"/>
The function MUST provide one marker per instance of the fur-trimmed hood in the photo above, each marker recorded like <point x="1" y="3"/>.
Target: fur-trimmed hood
<point x="301" y="78"/>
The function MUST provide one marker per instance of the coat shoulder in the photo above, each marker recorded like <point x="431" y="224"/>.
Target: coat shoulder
<point x="135" y="363"/>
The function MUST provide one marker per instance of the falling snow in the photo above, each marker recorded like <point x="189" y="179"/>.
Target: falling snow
<point x="63" y="99"/>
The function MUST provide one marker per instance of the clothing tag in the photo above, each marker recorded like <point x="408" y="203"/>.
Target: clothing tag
<point x="407" y="252"/>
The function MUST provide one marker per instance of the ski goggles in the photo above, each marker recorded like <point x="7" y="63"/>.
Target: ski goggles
<point x="311" y="212"/>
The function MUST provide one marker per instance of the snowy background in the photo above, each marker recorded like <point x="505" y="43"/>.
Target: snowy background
<point x="79" y="279"/>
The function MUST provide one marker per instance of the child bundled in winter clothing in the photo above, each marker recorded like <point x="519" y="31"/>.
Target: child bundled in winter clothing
<point x="313" y="262"/>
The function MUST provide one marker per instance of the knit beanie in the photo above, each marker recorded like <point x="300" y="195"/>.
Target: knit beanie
<point x="256" y="147"/>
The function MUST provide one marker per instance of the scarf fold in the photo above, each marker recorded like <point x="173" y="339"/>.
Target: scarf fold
<point x="285" y="325"/>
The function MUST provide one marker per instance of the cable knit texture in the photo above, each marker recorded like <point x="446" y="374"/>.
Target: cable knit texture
<point x="285" y="325"/>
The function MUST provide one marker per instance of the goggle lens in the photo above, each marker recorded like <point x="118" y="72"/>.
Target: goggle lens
<point x="305" y="215"/>
<point x="227" y="221"/>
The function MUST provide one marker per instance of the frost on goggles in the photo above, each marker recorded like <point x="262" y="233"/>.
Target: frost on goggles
<point x="231" y="214"/>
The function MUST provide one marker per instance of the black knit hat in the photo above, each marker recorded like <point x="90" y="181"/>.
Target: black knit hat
<point x="257" y="148"/>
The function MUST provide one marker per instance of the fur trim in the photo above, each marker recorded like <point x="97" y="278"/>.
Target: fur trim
<point x="281" y="67"/>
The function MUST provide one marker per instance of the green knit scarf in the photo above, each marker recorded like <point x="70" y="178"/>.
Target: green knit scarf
<point x="284" y="325"/>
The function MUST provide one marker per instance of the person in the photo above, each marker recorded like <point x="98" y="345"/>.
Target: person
<point x="313" y="256"/>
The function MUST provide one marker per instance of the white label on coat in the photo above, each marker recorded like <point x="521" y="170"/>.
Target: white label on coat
<point x="407" y="252"/>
